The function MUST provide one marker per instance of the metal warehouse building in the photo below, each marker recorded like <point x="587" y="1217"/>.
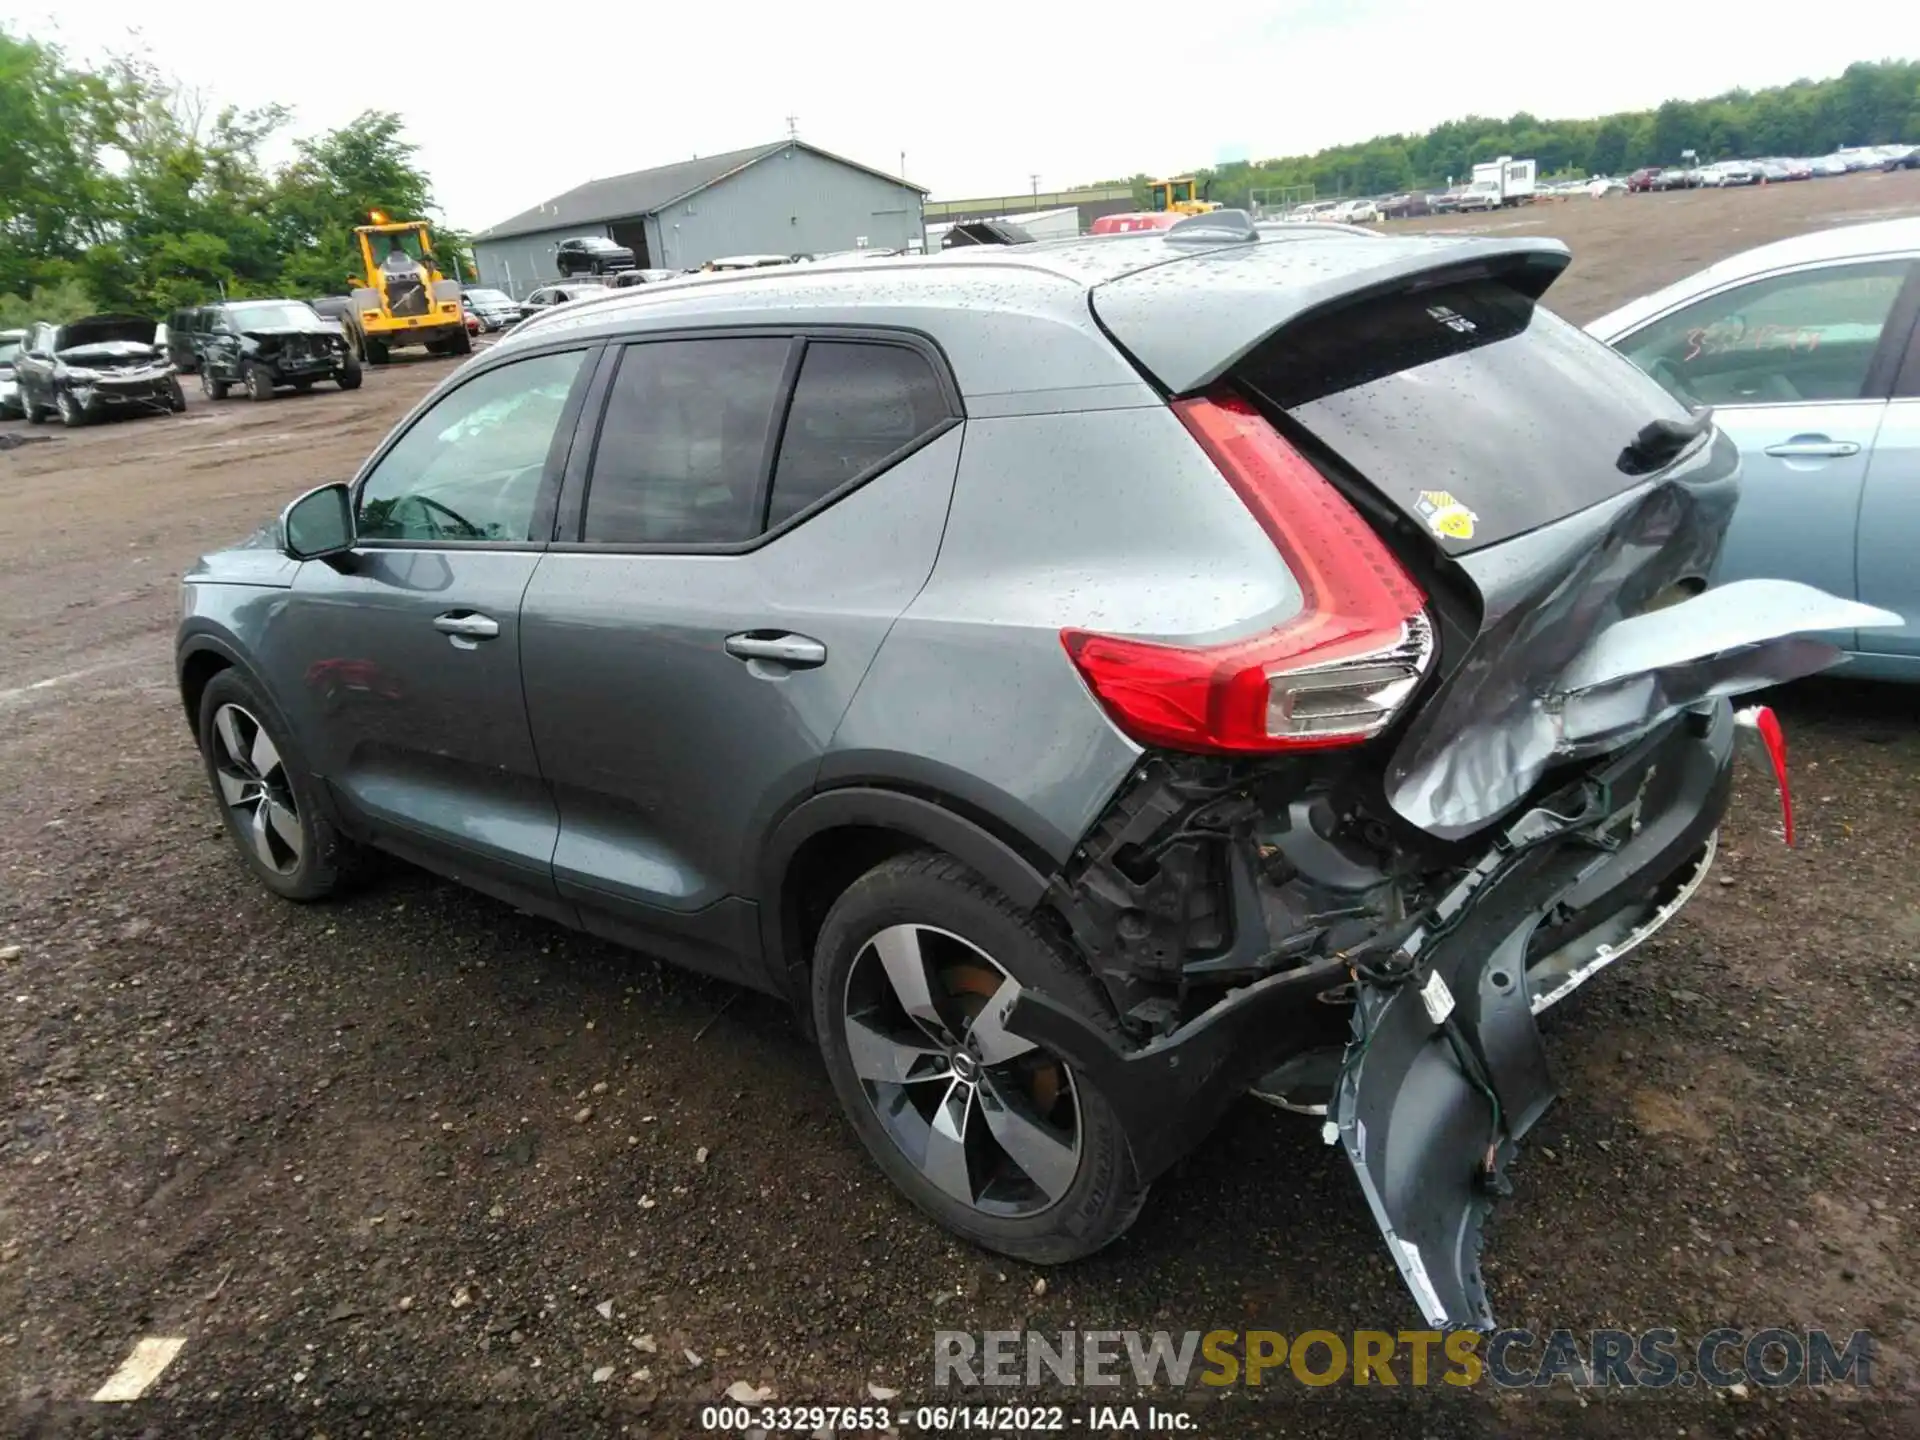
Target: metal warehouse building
<point x="788" y="198"/>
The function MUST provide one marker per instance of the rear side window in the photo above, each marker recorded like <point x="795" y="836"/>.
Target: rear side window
<point x="1468" y="406"/>
<point x="856" y="407"/>
<point x="683" y="449"/>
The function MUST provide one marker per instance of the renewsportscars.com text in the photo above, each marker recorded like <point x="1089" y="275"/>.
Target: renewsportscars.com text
<point x="1649" y="1359"/>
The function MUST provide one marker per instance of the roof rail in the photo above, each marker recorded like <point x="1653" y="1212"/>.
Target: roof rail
<point x="1215" y="227"/>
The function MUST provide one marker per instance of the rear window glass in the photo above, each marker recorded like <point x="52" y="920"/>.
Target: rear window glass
<point x="855" y="408"/>
<point x="1468" y="406"/>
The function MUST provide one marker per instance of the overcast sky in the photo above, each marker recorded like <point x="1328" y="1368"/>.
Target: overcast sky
<point x="979" y="95"/>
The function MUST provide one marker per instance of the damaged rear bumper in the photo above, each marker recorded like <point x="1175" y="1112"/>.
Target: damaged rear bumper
<point x="1429" y="1112"/>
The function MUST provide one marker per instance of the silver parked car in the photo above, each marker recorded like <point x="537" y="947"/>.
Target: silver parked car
<point x="1809" y="353"/>
<point x="1089" y="681"/>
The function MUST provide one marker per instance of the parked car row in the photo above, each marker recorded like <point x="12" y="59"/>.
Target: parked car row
<point x="1773" y="169"/>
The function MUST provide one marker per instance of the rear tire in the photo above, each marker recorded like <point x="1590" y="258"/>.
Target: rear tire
<point x="461" y="343"/>
<point x="271" y="804"/>
<point x="1076" y="1191"/>
<point x="211" y="386"/>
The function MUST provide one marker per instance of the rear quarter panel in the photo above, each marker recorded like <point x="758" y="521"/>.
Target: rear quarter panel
<point x="1109" y="520"/>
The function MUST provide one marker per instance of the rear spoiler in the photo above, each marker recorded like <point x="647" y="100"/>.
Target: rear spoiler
<point x="1229" y="298"/>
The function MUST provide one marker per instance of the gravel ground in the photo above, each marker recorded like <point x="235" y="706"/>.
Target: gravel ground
<point x="415" y="1164"/>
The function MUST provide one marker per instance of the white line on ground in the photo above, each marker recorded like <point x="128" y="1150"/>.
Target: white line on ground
<point x="140" y="1369"/>
<point x="54" y="682"/>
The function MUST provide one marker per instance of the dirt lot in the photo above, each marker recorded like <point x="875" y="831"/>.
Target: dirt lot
<point x="385" y="1164"/>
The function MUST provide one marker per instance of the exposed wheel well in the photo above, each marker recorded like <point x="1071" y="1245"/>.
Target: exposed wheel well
<point x="199" y="670"/>
<point x="820" y="872"/>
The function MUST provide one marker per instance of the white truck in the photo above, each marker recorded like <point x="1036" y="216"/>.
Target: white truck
<point x="1505" y="181"/>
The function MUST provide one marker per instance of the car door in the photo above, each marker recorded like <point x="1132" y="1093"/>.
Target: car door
<point x="694" y="638"/>
<point x="1890" y="523"/>
<point x="218" y="343"/>
<point x="33" y="368"/>
<point x="1797" y="366"/>
<point x="402" y="661"/>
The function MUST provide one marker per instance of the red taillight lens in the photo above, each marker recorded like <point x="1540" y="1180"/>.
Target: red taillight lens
<point x="1334" y="674"/>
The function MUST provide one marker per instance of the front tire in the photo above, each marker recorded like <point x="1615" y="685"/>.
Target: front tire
<point x="176" y="397"/>
<point x="270" y="802"/>
<point x="348" y="376"/>
<point x="985" y="1131"/>
<point x="259" y="382"/>
<point x="72" y="414"/>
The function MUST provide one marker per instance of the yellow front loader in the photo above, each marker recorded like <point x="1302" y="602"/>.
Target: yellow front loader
<point x="1178" y="196"/>
<point x="401" y="296"/>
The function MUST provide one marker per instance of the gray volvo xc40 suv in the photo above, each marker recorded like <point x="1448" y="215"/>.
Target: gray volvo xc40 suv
<point x="1091" y="681"/>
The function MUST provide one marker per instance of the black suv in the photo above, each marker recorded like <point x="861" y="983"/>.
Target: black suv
<point x="591" y="255"/>
<point x="184" y="329"/>
<point x="262" y="344"/>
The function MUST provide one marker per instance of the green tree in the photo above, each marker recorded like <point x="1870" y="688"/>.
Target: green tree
<point x="335" y="183"/>
<point x="56" y="198"/>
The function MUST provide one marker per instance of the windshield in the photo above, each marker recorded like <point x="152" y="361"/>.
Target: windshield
<point x="409" y="243"/>
<point x="277" y="315"/>
<point x="489" y="297"/>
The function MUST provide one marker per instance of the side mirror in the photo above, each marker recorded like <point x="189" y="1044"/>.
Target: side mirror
<point x="318" y="524"/>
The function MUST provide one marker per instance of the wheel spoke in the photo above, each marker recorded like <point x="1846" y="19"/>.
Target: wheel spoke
<point x="260" y="835"/>
<point x="882" y="1058"/>
<point x="945" y="1161"/>
<point x="226" y="725"/>
<point x="912" y="979"/>
<point x="234" y="789"/>
<point x="1048" y="1160"/>
<point x="995" y="1043"/>
<point x="264" y="758"/>
<point x="283" y="823"/>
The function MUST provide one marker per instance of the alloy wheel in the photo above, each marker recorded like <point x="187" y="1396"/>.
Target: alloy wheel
<point x="987" y="1117"/>
<point x="255" y="787"/>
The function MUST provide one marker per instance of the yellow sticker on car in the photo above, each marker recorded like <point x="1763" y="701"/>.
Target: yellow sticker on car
<point x="1445" y="515"/>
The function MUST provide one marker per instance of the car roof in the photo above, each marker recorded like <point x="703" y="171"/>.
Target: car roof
<point x="1841" y="242"/>
<point x="1237" y="288"/>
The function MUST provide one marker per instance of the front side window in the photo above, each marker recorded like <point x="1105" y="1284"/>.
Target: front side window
<point x="1810" y="335"/>
<point x="855" y="406"/>
<point x="471" y="467"/>
<point x="683" y="448"/>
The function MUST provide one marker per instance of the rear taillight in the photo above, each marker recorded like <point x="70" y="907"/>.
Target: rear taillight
<point x="1335" y="674"/>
